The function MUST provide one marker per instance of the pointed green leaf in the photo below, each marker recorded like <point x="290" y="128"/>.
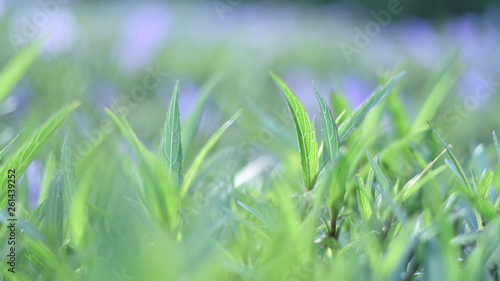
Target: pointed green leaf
<point x="307" y="140"/>
<point x="28" y="151"/>
<point x="191" y="172"/>
<point x="330" y="130"/>
<point x="357" y="116"/>
<point x="171" y="143"/>
<point x="15" y="69"/>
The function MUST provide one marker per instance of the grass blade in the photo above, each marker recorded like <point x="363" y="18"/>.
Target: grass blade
<point x="411" y="186"/>
<point x="330" y="129"/>
<point x="357" y="116"/>
<point x="16" y="68"/>
<point x="307" y="140"/>
<point x="190" y="174"/>
<point x="68" y="173"/>
<point x="28" y="151"/>
<point x="171" y="143"/>
<point x="436" y="96"/>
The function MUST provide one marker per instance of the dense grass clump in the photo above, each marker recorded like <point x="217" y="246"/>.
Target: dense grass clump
<point x="352" y="201"/>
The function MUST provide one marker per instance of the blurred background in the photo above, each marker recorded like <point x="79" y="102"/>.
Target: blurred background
<point x="129" y="54"/>
<point x="132" y="52"/>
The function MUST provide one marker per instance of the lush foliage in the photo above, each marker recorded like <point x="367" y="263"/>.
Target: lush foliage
<point x="414" y="211"/>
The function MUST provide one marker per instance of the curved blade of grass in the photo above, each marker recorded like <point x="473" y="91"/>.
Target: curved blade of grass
<point x="6" y="148"/>
<point x="411" y="186"/>
<point x="15" y="69"/>
<point x="485" y="184"/>
<point x="357" y="116"/>
<point x="307" y="140"/>
<point x="204" y="152"/>
<point x="399" y="115"/>
<point x="436" y="96"/>
<point x="330" y="129"/>
<point x="190" y="126"/>
<point x="28" y="151"/>
<point x="171" y="143"/>
<point x="68" y="173"/>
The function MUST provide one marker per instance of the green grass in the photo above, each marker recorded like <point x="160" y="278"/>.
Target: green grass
<point x="341" y="210"/>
